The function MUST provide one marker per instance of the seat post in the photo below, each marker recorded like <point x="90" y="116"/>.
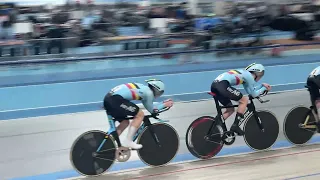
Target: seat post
<point x="218" y="107"/>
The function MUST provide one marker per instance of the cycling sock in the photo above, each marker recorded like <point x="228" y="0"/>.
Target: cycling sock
<point x="131" y="132"/>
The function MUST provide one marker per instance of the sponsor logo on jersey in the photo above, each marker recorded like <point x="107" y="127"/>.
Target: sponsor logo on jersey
<point x="235" y="92"/>
<point x="128" y="108"/>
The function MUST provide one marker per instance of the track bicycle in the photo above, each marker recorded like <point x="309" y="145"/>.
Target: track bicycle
<point x="94" y="152"/>
<point x="207" y="135"/>
<point x="299" y="124"/>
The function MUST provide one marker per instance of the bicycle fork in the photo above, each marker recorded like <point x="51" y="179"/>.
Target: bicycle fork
<point x="258" y="120"/>
<point x="251" y="108"/>
<point x="153" y="134"/>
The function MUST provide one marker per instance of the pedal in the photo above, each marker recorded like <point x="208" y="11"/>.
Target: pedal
<point x="123" y="154"/>
<point x="229" y="137"/>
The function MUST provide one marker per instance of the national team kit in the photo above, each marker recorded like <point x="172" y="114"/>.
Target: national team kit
<point x="118" y="101"/>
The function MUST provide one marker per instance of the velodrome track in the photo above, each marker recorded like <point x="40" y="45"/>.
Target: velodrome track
<point x="41" y="144"/>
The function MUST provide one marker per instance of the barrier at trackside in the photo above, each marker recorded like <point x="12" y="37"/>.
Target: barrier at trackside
<point x="53" y="60"/>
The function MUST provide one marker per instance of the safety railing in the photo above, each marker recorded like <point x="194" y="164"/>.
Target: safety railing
<point x="80" y="46"/>
<point x="168" y="53"/>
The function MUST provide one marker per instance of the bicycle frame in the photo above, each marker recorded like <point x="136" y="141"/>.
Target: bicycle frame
<point x="312" y="108"/>
<point x="113" y="130"/>
<point x="251" y="110"/>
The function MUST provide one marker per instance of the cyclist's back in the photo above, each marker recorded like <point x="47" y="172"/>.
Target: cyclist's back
<point x="233" y="78"/>
<point x="315" y="72"/>
<point x="132" y="91"/>
<point x="124" y="93"/>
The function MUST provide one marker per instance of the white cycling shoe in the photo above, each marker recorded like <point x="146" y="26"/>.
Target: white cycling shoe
<point x="131" y="144"/>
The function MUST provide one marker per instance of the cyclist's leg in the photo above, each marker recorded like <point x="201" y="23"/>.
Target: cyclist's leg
<point x="235" y="95"/>
<point x="134" y="126"/>
<point x="216" y="87"/>
<point x="122" y="126"/>
<point x="122" y="108"/>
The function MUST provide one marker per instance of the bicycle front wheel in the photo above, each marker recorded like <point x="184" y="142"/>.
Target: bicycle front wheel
<point x="158" y="154"/>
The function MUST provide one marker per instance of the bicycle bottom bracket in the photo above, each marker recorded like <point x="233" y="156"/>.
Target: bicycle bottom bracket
<point x="229" y="137"/>
<point x="123" y="154"/>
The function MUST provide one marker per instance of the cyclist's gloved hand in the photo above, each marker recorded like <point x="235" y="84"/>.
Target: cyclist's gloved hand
<point x="168" y="103"/>
<point x="264" y="93"/>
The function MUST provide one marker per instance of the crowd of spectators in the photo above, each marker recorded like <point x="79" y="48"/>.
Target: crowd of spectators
<point x="42" y="29"/>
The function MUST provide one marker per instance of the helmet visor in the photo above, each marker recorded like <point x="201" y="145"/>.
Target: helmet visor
<point x="260" y="74"/>
<point x="157" y="93"/>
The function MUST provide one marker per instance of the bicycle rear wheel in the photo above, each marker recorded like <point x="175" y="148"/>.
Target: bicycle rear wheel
<point x="257" y="139"/>
<point x="154" y="155"/>
<point x="293" y="132"/>
<point x="84" y="155"/>
<point x="197" y="140"/>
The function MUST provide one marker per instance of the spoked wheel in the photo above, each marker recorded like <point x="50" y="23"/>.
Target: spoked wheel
<point x="154" y="154"/>
<point x="257" y="139"/>
<point x="93" y="153"/>
<point x="293" y="125"/>
<point x="198" y="142"/>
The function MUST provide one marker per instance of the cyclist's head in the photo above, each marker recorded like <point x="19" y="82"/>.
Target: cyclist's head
<point x="157" y="86"/>
<point x="257" y="70"/>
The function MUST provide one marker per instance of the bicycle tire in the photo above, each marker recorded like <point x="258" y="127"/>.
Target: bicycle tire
<point x="255" y="138"/>
<point x="196" y="143"/>
<point x="81" y="154"/>
<point x="293" y="133"/>
<point x="153" y="155"/>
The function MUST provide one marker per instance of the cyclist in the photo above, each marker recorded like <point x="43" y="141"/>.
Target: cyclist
<point x="222" y="86"/>
<point x="313" y="82"/>
<point x="117" y="104"/>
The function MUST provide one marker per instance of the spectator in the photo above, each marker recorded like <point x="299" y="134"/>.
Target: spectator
<point x="89" y="20"/>
<point x="56" y="31"/>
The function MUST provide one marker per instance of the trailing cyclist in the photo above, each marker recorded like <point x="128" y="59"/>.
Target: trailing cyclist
<point x="313" y="82"/>
<point x="117" y="104"/>
<point x="223" y="87"/>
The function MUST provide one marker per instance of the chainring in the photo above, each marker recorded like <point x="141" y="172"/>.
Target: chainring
<point x="229" y="138"/>
<point x="123" y="154"/>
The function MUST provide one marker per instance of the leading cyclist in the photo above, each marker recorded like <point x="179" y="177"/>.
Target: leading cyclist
<point x="313" y="82"/>
<point x="117" y="104"/>
<point x="223" y="87"/>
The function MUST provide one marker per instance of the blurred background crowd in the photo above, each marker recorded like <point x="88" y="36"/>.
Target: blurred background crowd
<point x="92" y="27"/>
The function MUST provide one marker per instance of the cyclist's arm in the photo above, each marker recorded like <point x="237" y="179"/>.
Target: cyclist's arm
<point x="148" y="103"/>
<point x="250" y="88"/>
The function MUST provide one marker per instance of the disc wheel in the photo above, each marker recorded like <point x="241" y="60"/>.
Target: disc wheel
<point x="199" y="143"/>
<point x="86" y="158"/>
<point x="257" y="139"/>
<point x="294" y="133"/>
<point x="154" y="154"/>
